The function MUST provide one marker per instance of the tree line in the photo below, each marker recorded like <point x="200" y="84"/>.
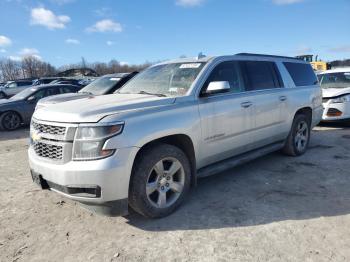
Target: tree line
<point x="32" y="67"/>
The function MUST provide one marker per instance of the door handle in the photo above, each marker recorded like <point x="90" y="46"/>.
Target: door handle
<point x="246" y="104"/>
<point x="283" y="98"/>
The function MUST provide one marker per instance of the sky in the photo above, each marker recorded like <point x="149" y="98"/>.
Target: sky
<point x="133" y="32"/>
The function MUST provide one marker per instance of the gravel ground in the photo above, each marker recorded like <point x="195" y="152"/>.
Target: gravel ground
<point x="276" y="208"/>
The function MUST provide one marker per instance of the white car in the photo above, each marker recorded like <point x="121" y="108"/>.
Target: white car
<point x="336" y="94"/>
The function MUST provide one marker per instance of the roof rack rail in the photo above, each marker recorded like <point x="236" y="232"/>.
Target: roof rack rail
<point x="262" y="55"/>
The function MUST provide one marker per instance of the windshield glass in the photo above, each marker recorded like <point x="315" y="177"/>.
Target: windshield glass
<point x="335" y="80"/>
<point x="164" y="80"/>
<point x="24" y="94"/>
<point x="101" y="85"/>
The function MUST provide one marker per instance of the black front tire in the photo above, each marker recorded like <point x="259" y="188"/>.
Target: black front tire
<point x="10" y="121"/>
<point x="139" y="199"/>
<point x="291" y="147"/>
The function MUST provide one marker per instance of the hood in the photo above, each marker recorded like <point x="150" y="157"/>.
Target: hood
<point x="333" y="92"/>
<point x="61" y="98"/>
<point x="91" y="109"/>
<point x="5" y="102"/>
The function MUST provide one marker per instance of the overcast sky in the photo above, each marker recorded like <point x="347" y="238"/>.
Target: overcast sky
<point x="63" y="31"/>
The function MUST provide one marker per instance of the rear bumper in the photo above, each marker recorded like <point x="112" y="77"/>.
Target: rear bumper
<point x="101" y="184"/>
<point x="336" y="111"/>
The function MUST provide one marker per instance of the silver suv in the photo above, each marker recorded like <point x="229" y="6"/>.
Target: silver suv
<point x="145" y="146"/>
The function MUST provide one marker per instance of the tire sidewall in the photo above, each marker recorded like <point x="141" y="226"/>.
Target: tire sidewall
<point x="138" y="197"/>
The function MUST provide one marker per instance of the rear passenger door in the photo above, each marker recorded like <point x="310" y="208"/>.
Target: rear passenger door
<point x="270" y="100"/>
<point x="226" y="118"/>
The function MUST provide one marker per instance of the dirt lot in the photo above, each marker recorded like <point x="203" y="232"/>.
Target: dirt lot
<point x="274" y="209"/>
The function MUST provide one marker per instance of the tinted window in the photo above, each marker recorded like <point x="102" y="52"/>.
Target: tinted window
<point x="302" y="74"/>
<point x="38" y="95"/>
<point x="261" y="75"/>
<point x="52" y="91"/>
<point x="227" y="71"/>
<point x="24" y="83"/>
<point x="67" y="89"/>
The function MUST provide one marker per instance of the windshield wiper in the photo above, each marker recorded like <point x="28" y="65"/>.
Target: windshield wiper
<point x="142" y="92"/>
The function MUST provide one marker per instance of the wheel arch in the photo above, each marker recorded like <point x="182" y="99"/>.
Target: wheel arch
<point x="305" y="111"/>
<point x="182" y="141"/>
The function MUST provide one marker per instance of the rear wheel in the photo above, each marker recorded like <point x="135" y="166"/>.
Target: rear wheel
<point x="10" y="121"/>
<point x="299" y="136"/>
<point x="160" y="181"/>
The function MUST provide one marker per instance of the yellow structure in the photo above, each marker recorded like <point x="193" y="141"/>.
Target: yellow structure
<point x="317" y="65"/>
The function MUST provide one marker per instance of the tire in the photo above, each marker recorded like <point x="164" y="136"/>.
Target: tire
<point x="3" y="95"/>
<point x="10" y="121"/>
<point x="174" y="183"/>
<point x="299" y="137"/>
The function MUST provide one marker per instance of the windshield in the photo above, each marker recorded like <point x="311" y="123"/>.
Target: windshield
<point x="24" y="94"/>
<point x="101" y="85"/>
<point x="335" y="80"/>
<point x="164" y="80"/>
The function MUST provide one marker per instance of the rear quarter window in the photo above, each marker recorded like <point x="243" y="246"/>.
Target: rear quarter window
<point x="302" y="74"/>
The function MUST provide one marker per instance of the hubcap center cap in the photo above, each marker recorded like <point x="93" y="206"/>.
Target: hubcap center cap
<point x="163" y="181"/>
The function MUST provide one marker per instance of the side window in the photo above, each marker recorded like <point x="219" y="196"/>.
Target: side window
<point x="261" y="75"/>
<point x="38" y="95"/>
<point x="24" y="83"/>
<point x="227" y="71"/>
<point x="66" y="89"/>
<point x="52" y="92"/>
<point x="12" y="85"/>
<point x="302" y="74"/>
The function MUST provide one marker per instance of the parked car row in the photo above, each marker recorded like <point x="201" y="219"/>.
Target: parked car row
<point x="18" y="109"/>
<point x="145" y="146"/>
<point x="12" y="88"/>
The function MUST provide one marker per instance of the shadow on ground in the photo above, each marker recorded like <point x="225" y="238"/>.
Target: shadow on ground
<point x="270" y="189"/>
<point x="23" y="132"/>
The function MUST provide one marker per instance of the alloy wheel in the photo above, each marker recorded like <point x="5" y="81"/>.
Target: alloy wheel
<point x="165" y="182"/>
<point x="302" y="136"/>
<point x="11" y="121"/>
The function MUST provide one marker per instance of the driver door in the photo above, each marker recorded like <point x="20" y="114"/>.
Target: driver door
<point x="226" y="118"/>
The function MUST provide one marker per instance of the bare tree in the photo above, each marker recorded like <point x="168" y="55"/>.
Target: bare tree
<point x="10" y="69"/>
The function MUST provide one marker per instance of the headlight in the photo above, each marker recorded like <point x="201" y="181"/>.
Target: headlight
<point x="341" y="99"/>
<point x="89" y="141"/>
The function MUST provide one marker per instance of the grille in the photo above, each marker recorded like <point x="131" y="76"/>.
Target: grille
<point x="49" y="129"/>
<point x="53" y="152"/>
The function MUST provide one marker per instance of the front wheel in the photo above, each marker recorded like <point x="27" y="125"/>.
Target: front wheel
<point x="299" y="136"/>
<point x="10" y="121"/>
<point x="160" y="181"/>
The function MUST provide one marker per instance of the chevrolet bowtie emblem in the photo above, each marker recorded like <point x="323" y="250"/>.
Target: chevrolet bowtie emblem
<point x="36" y="136"/>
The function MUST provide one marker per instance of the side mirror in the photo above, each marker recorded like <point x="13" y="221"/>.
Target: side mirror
<point x="217" y="87"/>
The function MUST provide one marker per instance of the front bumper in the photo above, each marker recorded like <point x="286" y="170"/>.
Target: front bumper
<point x="96" y="183"/>
<point x="336" y="111"/>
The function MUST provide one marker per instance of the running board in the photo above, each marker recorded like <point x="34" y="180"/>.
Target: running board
<point x="238" y="160"/>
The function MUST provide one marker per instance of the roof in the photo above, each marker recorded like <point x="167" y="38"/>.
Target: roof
<point x="205" y="59"/>
<point x="336" y="70"/>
